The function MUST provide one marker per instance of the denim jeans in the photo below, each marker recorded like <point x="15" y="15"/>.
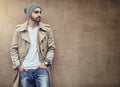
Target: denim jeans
<point x="35" y="78"/>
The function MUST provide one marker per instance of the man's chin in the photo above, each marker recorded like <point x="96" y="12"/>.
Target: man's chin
<point x="38" y="20"/>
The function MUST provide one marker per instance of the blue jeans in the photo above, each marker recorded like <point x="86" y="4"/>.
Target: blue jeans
<point x="35" y="78"/>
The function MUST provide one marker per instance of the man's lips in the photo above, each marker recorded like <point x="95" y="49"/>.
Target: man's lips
<point x="38" y="18"/>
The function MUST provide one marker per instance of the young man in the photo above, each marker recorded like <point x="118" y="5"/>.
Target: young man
<point x="32" y="50"/>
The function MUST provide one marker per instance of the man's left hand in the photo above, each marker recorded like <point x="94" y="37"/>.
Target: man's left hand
<point x="42" y="65"/>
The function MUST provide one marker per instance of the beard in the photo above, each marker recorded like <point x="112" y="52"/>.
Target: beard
<point x="36" y="20"/>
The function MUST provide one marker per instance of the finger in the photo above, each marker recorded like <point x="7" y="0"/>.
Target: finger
<point x="20" y="70"/>
<point x="38" y="66"/>
<point x="42" y="66"/>
<point x="25" y="69"/>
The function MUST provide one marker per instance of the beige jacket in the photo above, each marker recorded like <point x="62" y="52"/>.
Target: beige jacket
<point x="21" y="42"/>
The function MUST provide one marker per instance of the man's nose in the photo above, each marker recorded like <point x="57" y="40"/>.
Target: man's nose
<point x="39" y="14"/>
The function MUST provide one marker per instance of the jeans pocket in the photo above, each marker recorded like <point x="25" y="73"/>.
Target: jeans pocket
<point x="43" y="70"/>
<point x="23" y="73"/>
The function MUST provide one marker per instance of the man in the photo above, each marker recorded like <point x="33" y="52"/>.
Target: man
<point x="32" y="50"/>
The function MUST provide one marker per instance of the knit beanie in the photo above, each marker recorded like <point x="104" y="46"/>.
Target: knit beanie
<point x="30" y="8"/>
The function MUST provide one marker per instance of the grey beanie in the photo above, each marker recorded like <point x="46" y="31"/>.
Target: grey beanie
<point x="30" y="8"/>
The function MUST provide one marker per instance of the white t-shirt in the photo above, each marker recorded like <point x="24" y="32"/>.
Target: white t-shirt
<point x="31" y="60"/>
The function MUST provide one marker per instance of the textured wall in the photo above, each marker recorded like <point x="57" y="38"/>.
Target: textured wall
<point x="87" y="35"/>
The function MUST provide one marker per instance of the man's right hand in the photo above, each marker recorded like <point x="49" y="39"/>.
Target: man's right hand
<point x="21" y="68"/>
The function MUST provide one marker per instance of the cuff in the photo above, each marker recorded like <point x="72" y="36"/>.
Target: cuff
<point x="48" y="61"/>
<point x="17" y="67"/>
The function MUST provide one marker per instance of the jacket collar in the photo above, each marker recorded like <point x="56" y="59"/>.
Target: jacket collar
<point x="23" y="27"/>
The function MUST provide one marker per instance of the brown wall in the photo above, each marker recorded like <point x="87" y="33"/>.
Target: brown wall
<point x="87" y="36"/>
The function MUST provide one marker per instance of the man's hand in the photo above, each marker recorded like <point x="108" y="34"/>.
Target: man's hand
<point x="21" y="68"/>
<point x="42" y="65"/>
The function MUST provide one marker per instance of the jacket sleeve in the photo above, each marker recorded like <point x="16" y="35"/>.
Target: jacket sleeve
<point x="50" y="47"/>
<point x="14" y="51"/>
